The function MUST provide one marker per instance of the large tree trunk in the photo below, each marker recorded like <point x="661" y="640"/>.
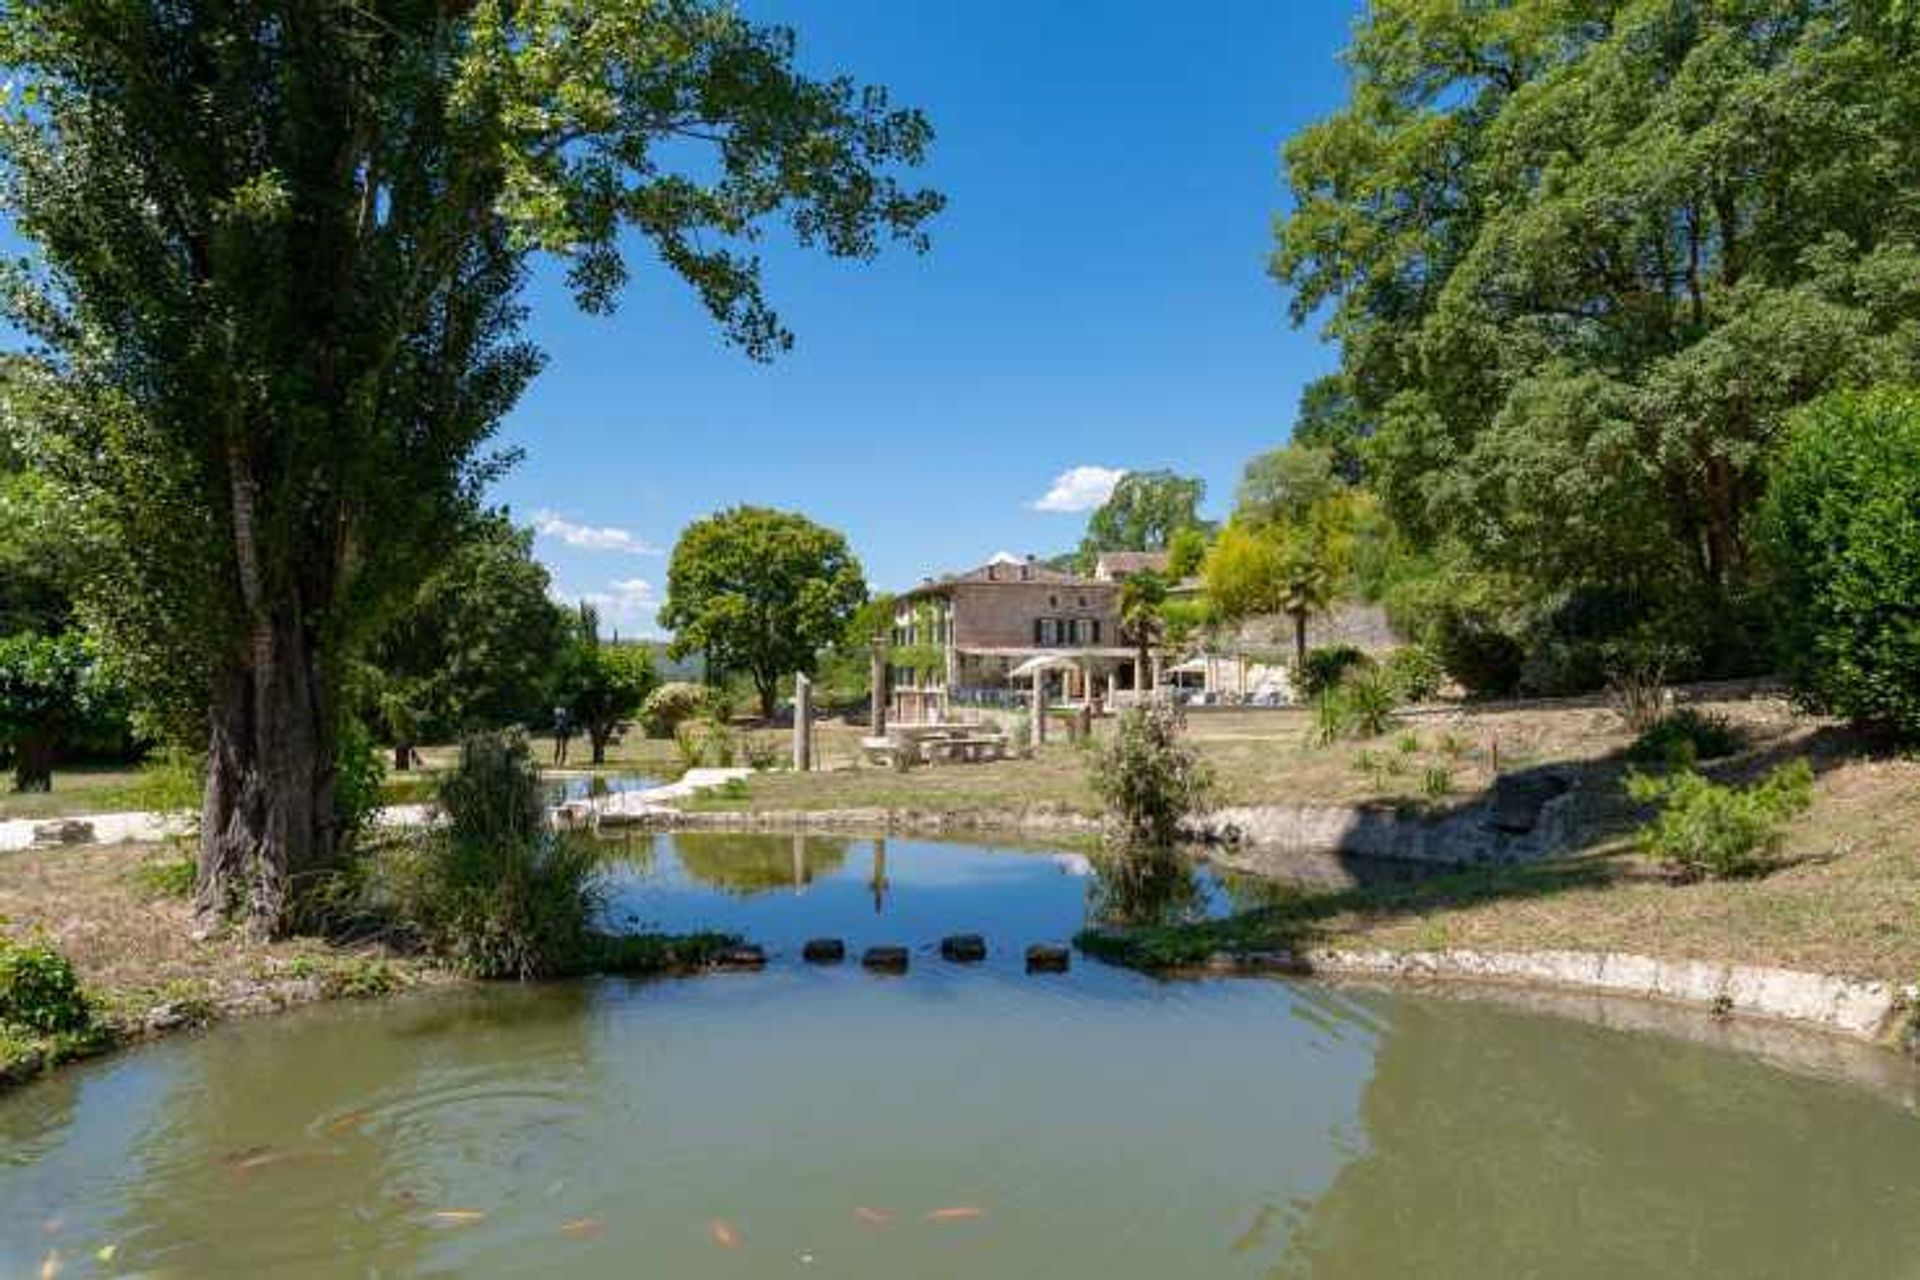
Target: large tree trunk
<point x="267" y="820"/>
<point x="33" y="760"/>
<point x="769" y="695"/>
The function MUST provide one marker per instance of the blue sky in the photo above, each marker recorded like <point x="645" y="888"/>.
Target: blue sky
<point x="1095" y="297"/>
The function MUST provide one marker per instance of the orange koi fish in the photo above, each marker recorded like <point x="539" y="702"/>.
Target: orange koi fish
<point x="349" y="1122"/>
<point x="873" y="1217"/>
<point x="582" y="1228"/>
<point x="723" y="1234"/>
<point x="957" y="1213"/>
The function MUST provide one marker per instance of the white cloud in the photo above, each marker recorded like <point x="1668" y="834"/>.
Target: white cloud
<point x="588" y="537"/>
<point x="627" y="606"/>
<point x="1080" y="488"/>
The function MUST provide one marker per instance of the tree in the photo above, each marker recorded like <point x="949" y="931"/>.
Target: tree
<point x="761" y="591"/>
<point x="1583" y="261"/>
<point x="1294" y="570"/>
<point x="1186" y="553"/>
<point x="1282" y="485"/>
<point x="54" y="694"/>
<point x="1142" y="596"/>
<point x="1145" y="511"/>
<point x="1330" y="418"/>
<point x="1841" y="532"/>
<point x="606" y="684"/>
<point x="479" y="646"/>
<point x="278" y="304"/>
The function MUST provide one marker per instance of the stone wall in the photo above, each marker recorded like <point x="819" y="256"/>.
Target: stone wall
<point x="1000" y="615"/>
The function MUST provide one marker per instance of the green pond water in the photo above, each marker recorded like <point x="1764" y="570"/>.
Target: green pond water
<point x="817" y="1122"/>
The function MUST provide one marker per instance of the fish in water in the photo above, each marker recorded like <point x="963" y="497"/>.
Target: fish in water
<point x="723" y="1234"/>
<point x="956" y="1213"/>
<point x="457" y="1217"/>
<point x="349" y="1122"/>
<point x="50" y="1265"/>
<point x="873" y="1217"/>
<point x="582" y="1228"/>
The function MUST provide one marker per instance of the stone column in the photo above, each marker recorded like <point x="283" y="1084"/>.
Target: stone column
<point x="881" y="694"/>
<point x="802" y="724"/>
<point x="1038" y="737"/>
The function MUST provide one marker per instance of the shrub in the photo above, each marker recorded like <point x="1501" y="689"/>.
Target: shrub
<point x="495" y="892"/>
<point x="39" y="991"/>
<point x="762" y="751"/>
<point x="704" y="744"/>
<point x="672" y="704"/>
<point x="1437" y="782"/>
<point x="1148" y="775"/>
<point x="1484" y="660"/>
<point x="1638" y="667"/>
<point x="1840" y="533"/>
<point x="1708" y="829"/>
<point x="1682" y="737"/>
<point x="1371" y="696"/>
<point x="358" y="779"/>
<point x="1332" y="718"/>
<point x="1327" y="668"/>
<point x="1418" y="673"/>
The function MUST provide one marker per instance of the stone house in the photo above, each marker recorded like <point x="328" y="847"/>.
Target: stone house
<point x="971" y="631"/>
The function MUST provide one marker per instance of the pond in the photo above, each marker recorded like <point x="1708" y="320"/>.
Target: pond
<point x="964" y="1121"/>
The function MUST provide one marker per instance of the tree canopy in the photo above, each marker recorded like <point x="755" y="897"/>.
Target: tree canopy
<point x="280" y="253"/>
<point x="1144" y="512"/>
<point x="1582" y="261"/>
<point x="761" y="591"/>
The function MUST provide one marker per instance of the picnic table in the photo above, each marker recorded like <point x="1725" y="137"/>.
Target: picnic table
<point x="933" y="743"/>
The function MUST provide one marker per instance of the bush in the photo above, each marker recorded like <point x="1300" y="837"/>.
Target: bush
<point x="359" y="775"/>
<point x="1148" y="775"/>
<point x="704" y="743"/>
<point x="495" y="892"/>
<point x="39" y="991"/>
<point x="1680" y="738"/>
<point x="1326" y="668"/>
<point x="1708" y="829"/>
<point x="1417" y="672"/>
<point x="1840" y="533"/>
<point x="1484" y="660"/>
<point x="1332" y="718"/>
<point x="674" y="703"/>
<point x="1371" y="696"/>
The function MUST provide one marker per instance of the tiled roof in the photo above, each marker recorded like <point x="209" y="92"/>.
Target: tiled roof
<point x="1003" y="572"/>
<point x="1121" y="563"/>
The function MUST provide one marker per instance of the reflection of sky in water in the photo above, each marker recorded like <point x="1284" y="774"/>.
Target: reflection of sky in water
<point x="581" y="786"/>
<point x="780" y="890"/>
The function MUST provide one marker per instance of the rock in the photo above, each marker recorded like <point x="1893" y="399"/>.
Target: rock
<point x="1044" y="957"/>
<point x="824" y="951"/>
<point x="575" y="815"/>
<point x="744" y="957"/>
<point x="1519" y="797"/>
<point x="63" y="831"/>
<point x="885" y="959"/>
<point x="168" y="1016"/>
<point x="963" y="948"/>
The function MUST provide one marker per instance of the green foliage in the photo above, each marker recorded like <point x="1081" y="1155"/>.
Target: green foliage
<point x="667" y="707"/>
<point x="358" y="779"/>
<point x="1283" y="486"/>
<point x="1705" y="828"/>
<point x="604" y="685"/>
<point x="1681" y="738"/>
<point x="1326" y="668"/>
<point x="1371" y="695"/>
<point x="275" y="297"/>
<point x="704" y="743"/>
<point x="1144" y="513"/>
<point x="1437" y="782"/>
<point x="1583" y="261"/>
<point x="1332" y="717"/>
<point x="1841" y="531"/>
<point x="55" y="695"/>
<point x="761" y="591"/>
<point x="1417" y="672"/>
<point x="1186" y="553"/>
<point x="39" y="991"/>
<point x="1482" y="659"/>
<point x="495" y="892"/>
<point x="171" y="876"/>
<point x="480" y="646"/>
<point x="1148" y="775"/>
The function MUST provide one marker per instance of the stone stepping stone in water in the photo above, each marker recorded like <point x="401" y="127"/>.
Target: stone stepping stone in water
<point x="885" y="959"/>
<point x="1044" y="957"/>
<point x="745" y="957"/>
<point x="824" y="951"/>
<point x="963" y="948"/>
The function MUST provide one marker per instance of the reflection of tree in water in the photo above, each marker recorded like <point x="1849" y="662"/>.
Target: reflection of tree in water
<point x="1137" y="885"/>
<point x="747" y="864"/>
<point x="1499" y="1143"/>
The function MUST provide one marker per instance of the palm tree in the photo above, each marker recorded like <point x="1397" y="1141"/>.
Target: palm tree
<point x="1141" y="597"/>
<point x="1306" y="584"/>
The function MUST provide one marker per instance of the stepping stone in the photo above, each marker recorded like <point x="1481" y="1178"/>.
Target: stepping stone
<point x="824" y="951"/>
<point x="748" y="957"/>
<point x="885" y="959"/>
<point x="1044" y="957"/>
<point x="63" y="831"/>
<point x="963" y="948"/>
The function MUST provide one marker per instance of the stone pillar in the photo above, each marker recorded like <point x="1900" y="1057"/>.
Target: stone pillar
<point x="1039" y="735"/>
<point x="802" y="724"/>
<point x="881" y="694"/>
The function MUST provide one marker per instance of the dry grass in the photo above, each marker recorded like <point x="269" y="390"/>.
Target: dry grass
<point x="133" y="949"/>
